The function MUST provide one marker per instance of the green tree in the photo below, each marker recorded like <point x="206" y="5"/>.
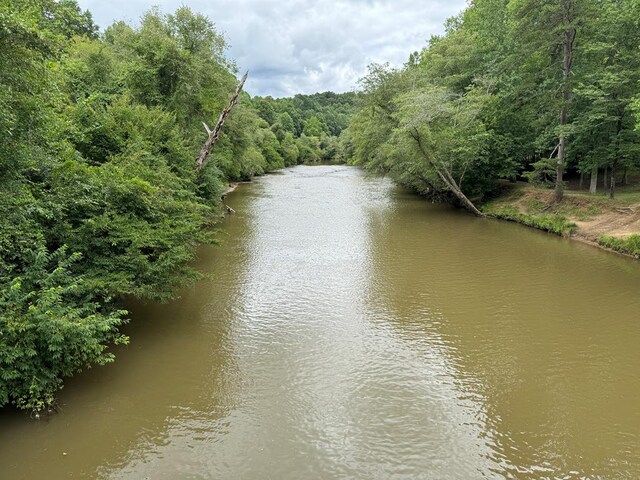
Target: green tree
<point x="309" y="150"/>
<point x="99" y="197"/>
<point x="289" y="150"/>
<point x="546" y="31"/>
<point x="314" y="127"/>
<point x="605" y="134"/>
<point x="286" y="121"/>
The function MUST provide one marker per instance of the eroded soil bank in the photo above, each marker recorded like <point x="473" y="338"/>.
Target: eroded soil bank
<point x="590" y="218"/>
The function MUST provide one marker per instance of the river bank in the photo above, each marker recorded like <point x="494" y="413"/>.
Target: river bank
<point x="609" y="223"/>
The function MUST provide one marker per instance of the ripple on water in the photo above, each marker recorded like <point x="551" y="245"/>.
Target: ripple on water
<point x="351" y="330"/>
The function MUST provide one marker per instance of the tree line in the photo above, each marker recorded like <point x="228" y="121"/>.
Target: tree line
<point x="514" y="89"/>
<point x="308" y="127"/>
<point x="99" y="195"/>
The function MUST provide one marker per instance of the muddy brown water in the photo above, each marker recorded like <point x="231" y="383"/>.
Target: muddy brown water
<point x="352" y="330"/>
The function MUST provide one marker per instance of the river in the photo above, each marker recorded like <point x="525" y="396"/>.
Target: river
<point x="350" y="329"/>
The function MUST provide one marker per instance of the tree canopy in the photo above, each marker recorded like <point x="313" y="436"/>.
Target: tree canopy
<point x="537" y="89"/>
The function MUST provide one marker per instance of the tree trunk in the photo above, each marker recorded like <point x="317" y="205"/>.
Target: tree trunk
<point x="215" y="133"/>
<point x="604" y="180"/>
<point x="453" y="186"/>
<point x="593" y="187"/>
<point x="581" y="181"/>
<point x="626" y="176"/>
<point x="446" y="177"/>
<point x="567" y="60"/>
<point x="560" y="161"/>
<point x="612" y="185"/>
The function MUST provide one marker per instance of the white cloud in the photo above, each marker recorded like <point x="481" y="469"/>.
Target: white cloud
<point x="296" y="46"/>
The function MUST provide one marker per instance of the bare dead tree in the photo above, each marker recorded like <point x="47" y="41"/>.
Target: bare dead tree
<point x="215" y="133"/>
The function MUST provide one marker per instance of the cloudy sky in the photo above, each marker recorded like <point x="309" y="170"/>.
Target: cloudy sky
<point x="305" y="46"/>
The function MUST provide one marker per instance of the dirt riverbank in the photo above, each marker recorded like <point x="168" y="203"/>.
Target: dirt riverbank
<point x="594" y="219"/>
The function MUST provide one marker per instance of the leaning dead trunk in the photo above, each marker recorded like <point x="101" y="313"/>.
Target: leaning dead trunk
<point x="215" y="133"/>
<point x="446" y="177"/>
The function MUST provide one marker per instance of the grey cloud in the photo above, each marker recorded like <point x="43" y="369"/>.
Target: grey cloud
<point x="307" y="46"/>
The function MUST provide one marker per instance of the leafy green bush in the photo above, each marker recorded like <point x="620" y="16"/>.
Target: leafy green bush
<point x="50" y="328"/>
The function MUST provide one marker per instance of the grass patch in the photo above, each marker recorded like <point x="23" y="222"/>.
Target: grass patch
<point x="535" y="206"/>
<point x="628" y="194"/>
<point x="629" y="245"/>
<point x="549" y="222"/>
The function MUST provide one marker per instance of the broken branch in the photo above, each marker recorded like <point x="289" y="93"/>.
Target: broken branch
<point x="215" y="133"/>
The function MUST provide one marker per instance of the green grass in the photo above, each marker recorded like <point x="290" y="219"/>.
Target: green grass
<point x="580" y="212"/>
<point x="628" y="196"/>
<point x="549" y="222"/>
<point x="535" y="205"/>
<point x="629" y="245"/>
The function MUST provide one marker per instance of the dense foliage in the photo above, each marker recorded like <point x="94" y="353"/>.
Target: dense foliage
<point x="99" y="197"/>
<point x="513" y="89"/>
<point x="308" y="127"/>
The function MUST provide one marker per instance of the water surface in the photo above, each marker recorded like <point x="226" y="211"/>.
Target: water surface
<point x="352" y="330"/>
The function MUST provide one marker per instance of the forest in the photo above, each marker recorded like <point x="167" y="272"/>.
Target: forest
<point x="99" y="131"/>
<point x="99" y="195"/>
<point x="537" y="90"/>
